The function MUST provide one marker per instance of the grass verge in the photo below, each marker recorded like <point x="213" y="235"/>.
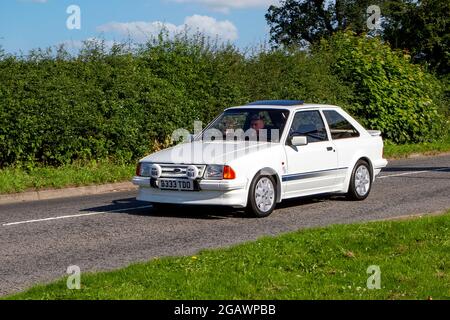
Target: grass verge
<point x="13" y="180"/>
<point x="324" y="263"/>
<point x="395" y="151"/>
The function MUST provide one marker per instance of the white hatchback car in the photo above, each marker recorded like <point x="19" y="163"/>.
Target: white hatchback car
<point x="257" y="155"/>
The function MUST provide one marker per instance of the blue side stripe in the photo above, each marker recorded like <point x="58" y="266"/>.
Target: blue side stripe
<point x="312" y="174"/>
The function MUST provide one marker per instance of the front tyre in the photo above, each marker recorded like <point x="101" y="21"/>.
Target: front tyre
<point x="360" y="181"/>
<point x="262" y="196"/>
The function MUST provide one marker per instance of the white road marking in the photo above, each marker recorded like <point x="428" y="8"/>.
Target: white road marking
<point x="402" y="174"/>
<point x="73" y="216"/>
<point x="410" y="173"/>
<point x="149" y="206"/>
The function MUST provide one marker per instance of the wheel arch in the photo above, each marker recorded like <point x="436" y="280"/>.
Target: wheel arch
<point x="370" y="165"/>
<point x="267" y="171"/>
<point x="352" y="166"/>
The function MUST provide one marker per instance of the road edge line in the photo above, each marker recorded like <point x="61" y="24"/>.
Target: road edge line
<point x="38" y="195"/>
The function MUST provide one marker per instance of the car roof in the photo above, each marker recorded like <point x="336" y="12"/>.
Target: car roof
<point x="282" y="104"/>
<point x="276" y="103"/>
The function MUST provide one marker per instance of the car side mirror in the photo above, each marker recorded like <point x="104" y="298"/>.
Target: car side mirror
<point x="298" y="141"/>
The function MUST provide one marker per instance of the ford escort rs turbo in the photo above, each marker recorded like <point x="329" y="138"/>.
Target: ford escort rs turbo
<point x="255" y="156"/>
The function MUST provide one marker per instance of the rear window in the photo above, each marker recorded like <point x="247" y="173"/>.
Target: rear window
<point x="340" y="128"/>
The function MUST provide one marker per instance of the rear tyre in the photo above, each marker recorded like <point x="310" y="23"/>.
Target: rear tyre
<point x="262" y="196"/>
<point x="360" y="181"/>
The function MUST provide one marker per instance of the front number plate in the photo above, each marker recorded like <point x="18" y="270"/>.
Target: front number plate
<point x="176" y="184"/>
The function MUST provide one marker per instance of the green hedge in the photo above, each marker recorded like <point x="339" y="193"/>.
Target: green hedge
<point x="390" y="93"/>
<point x="121" y="103"/>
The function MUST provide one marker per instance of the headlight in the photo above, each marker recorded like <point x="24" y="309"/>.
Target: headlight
<point x="145" y="169"/>
<point x="214" y="172"/>
<point x="218" y="172"/>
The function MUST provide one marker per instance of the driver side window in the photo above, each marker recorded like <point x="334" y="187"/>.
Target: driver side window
<point x="309" y="124"/>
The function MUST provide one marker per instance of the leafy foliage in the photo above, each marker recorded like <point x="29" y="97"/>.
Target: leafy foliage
<point x="390" y="93"/>
<point x="421" y="27"/>
<point x="305" y="22"/>
<point x="123" y="102"/>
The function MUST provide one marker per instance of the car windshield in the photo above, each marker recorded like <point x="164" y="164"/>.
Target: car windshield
<point x="247" y="124"/>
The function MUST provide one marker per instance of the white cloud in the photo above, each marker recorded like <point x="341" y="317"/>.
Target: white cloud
<point x="225" y="6"/>
<point x="142" y="31"/>
<point x="223" y="29"/>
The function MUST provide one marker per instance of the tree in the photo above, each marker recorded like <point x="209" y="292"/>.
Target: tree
<point x="306" y="21"/>
<point x="421" y="27"/>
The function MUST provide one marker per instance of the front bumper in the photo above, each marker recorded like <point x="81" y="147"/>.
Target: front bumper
<point x="212" y="192"/>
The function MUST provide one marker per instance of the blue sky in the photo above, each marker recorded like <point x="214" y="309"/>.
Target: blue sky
<point x="28" y="24"/>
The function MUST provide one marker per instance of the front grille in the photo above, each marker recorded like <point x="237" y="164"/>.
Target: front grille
<point x="178" y="170"/>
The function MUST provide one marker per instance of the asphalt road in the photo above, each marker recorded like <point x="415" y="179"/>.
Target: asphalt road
<point x="39" y="240"/>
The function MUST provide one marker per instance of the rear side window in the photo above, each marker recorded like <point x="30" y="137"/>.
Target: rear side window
<point x="340" y="128"/>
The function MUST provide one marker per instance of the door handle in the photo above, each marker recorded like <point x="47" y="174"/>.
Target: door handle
<point x="329" y="148"/>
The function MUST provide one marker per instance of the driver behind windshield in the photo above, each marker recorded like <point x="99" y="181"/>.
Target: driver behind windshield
<point x="257" y="124"/>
